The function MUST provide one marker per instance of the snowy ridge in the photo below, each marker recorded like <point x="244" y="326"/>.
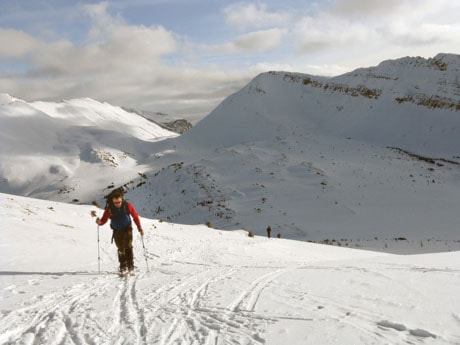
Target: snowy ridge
<point x="396" y="103"/>
<point x="207" y="286"/>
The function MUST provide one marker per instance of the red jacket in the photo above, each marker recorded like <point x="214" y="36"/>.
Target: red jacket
<point x="132" y="212"/>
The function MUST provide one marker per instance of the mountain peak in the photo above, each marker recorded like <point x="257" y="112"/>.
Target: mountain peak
<point x="6" y="99"/>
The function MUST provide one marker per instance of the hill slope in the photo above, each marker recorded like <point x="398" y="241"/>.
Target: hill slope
<point x="207" y="286"/>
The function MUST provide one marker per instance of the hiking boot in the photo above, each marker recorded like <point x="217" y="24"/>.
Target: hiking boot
<point x="123" y="273"/>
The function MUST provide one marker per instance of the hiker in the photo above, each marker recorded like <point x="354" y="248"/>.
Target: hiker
<point x="120" y="212"/>
<point x="269" y="231"/>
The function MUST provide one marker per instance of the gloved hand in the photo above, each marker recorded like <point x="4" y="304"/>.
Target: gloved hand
<point x="141" y="232"/>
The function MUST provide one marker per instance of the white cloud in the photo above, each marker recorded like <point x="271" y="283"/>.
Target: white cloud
<point x="374" y="28"/>
<point x="16" y="44"/>
<point x="422" y="35"/>
<point x="254" y="42"/>
<point x="101" y="21"/>
<point x="372" y="8"/>
<point x="115" y="40"/>
<point x="120" y="63"/>
<point x="245" y="15"/>
<point x="111" y="44"/>
<point x="322" y="33"/>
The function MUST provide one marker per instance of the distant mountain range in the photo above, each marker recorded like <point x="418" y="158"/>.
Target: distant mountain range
<point x="367" y="159"/>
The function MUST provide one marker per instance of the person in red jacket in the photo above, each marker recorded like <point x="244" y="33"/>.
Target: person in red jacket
<point x="120" y="212"/>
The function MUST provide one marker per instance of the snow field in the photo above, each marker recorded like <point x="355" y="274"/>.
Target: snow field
<point x="207" y="286"/>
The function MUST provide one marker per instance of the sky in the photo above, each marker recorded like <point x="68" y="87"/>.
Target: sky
<point x="183" y="57"/>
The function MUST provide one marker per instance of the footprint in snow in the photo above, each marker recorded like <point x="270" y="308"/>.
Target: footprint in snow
<point x="401" y="328"/>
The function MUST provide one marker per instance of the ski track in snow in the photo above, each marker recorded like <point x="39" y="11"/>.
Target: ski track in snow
<point x="158" y="307"/>
<point x="166" y="314"/>
<point x="180" y="317"/>
<point x="249" y="297"/>
<point x="58" y="318"/>
<point x="130" y="317"/>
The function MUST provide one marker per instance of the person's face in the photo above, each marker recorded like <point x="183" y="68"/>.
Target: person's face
<point x="117" y="201"/>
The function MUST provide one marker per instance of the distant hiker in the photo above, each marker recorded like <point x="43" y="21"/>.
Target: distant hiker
<point x="269" y="231"/>
<point x="120" y="212"/>
<point x="278" y="235"/>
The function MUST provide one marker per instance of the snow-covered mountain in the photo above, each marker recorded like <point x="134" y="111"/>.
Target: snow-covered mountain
<point x="63" y="149"/>
<point x="368" y="159"/>
<point x="411" y="102"/>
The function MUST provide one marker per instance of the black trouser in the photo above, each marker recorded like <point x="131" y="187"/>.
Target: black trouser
<point x="124" y="241"/>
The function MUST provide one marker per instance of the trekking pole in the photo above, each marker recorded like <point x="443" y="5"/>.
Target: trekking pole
<point x="145" y="254"/>
<point x="93" y="214"/>
<point x="98" y="253"/>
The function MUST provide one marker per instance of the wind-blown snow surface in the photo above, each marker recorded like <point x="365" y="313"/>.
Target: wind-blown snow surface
<point x="208" y="286"/>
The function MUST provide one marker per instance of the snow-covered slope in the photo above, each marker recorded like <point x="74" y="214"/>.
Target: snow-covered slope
<point x="361" y="159"/>
<point x="52" y="149"/>
<point x="369" y="159"/>
<point x="206" y="286"/>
